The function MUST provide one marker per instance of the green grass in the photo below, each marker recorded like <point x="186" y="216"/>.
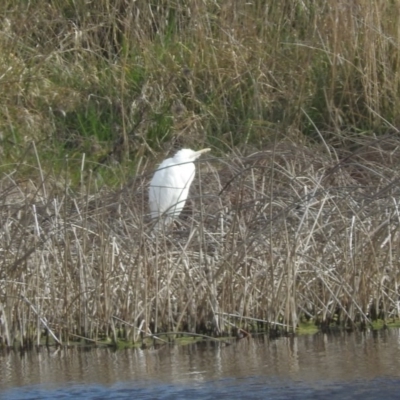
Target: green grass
<point x="86" y="74"/>
<point x="307" y="328"/>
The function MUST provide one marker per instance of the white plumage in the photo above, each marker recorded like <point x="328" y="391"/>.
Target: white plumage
<point x="169" y="187"/>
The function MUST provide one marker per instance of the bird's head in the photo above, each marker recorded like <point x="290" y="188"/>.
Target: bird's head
<point x="188" y="155"/>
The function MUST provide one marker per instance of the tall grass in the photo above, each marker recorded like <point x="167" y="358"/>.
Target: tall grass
<point x="122" y="78"/>
<point x="269" y="239"/>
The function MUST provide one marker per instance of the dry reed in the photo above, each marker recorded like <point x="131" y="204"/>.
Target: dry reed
<point x="267" y="239"/>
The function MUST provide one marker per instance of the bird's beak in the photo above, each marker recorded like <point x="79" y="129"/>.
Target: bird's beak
<point x="200" y="152"/>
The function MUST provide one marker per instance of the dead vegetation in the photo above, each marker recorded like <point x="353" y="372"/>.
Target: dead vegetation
<point x="267" y="239"/>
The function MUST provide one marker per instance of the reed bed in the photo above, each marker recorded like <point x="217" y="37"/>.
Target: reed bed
<point x="305" y="228"/>
<point x="267" y="239"/>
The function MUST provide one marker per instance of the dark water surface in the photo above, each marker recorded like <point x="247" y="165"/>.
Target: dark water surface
<point x="342" y="366"/>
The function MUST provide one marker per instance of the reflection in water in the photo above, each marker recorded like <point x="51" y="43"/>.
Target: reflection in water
<point x="299" y="367"/>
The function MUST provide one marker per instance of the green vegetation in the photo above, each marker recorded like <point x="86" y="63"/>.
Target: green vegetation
<point x="122" y="79"/>
<point x="295" y="215"/>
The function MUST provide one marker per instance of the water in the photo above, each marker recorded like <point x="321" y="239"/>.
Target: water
<point x="343" y="366"/>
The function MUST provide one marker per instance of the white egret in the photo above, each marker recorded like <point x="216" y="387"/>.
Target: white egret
<point x="169" y="187"/>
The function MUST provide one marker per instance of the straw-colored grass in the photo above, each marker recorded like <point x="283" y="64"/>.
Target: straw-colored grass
<point x="294" y="215"/>
<point x="266" y="239"/>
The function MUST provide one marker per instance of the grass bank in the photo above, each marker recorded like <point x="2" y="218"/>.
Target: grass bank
<point x="122" y="81"/>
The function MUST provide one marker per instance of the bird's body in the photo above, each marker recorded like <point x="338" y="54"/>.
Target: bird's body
<point x="169" y="187"/>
